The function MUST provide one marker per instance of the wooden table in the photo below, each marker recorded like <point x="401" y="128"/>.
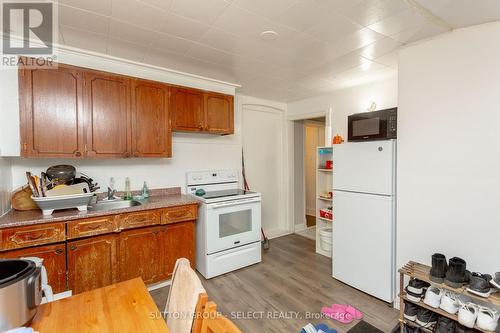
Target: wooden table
<point x="121" y="307"/>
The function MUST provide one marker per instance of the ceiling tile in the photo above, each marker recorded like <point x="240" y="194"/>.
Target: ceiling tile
<point x="399" y="22"/>
<point x="389" y="60"/>
<point x="356" y="40"/>
<point x="130" y="33"/>
<point x="333" y="28"/>
<point x="205" y="53"/>
<point x="164" y="5"/>
<point x="83" y="39"/>
<point x="183" y="27"/>
<point x="367" y="12"/>
<point x="267" y="8"/>
<point x="301" y="16"/>
<point x="121" y="49"/>
<point x="379" y="48"/>
<point x="241" y="22"/>
<point x="102" y="7"/>
<point x="463" y="13"/>
<point x="138" y="13"/>
<point x="171" y="44"/>
<point x="206" y="11"/>
<point x="336" y="66"/>
<point x="418" y="33"/>
<point x="83" y="20"/>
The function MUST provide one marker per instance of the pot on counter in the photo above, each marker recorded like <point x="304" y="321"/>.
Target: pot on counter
<point x="20" y="292"/>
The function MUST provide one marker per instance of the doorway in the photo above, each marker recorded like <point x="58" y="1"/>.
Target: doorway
<point x="309" y="134"/>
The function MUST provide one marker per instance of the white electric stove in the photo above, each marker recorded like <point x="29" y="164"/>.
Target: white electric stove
<point x="228" y="232"/>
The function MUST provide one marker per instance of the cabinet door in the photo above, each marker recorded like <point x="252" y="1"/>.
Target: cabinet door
<point x="180" y="243"/>
<point x="92" y="263"/>
<point x="51" y="112"/>
<point x="187" y="110"/>
<point x="142" y="254"/>
<point x="54" y="260"/>
<point x="151" y="135"/>
<point x="107" y="114"/>
<point x="219" y="113"/>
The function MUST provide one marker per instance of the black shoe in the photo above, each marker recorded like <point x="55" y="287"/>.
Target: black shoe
<point x="480" y="284"/>
<point x="439" y="268"/>
<point x="411" y="311"/>
<point x="414" y="297"/>
<point x="456" y="275"/>
<point x="409" y="329"/>
<point x="445" y="325"/>
<point x="462" y="329"/>
<point x="417" y="286"/>
<point x="426" y="318"/>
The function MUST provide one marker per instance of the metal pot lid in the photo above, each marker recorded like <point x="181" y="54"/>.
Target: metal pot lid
<point x="13" y="270"/>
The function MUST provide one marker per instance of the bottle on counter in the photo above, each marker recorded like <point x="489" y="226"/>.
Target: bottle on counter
<point x="128" y="192"/>
<point x="145" y="191"/>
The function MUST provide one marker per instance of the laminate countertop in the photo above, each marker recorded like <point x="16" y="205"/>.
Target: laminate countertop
<point x="16" y="218"/>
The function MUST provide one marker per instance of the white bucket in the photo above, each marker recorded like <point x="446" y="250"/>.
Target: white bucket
<point x="325" y="239"/>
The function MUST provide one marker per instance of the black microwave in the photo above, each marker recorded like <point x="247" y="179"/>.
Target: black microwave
<point x="374" y="125"/>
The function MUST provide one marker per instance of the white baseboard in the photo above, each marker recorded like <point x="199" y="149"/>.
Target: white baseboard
<point x="300" y="227"/>
<point x="275" y="233"/>
<point x="159" y="285"/>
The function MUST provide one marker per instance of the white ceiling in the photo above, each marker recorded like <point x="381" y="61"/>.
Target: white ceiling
<point x="322" y="44"/>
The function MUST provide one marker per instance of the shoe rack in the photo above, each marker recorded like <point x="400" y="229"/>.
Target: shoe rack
<point x="421" y="272"/>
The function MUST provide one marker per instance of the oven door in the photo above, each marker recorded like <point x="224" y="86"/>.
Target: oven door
<point x="232" y="223"/>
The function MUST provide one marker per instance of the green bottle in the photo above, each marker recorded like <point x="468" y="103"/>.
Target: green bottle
<point x="128" y="193"/>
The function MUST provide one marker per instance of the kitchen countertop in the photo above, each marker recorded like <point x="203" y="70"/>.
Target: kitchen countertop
<point x="158" y="199"/>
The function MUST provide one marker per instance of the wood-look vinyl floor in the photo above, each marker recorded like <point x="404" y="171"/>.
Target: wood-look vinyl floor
<point x="291" y="281"/>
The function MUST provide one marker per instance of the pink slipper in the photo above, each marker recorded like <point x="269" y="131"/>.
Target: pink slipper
<point x="356" y="314"/>
<point x="338" y="315"/>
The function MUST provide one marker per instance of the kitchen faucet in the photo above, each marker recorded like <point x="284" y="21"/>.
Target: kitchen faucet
<point x="111" y="194"/>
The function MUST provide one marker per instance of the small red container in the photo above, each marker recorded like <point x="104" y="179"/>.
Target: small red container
<point x="329" y="165"/>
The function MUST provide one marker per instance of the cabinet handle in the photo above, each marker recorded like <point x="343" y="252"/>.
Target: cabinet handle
<point x="31" y="237"/>
<point x="59" y="251"/>
<point x="127" y="154"/>
<point x="200" y="126"/>
<point x="73" y="248"/>
<point x="78" y="153"/>
<point x="94" y="227"/>
<point x="178" y="214"/>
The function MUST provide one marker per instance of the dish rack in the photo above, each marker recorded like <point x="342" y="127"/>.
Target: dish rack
<point x="49" y="204"/>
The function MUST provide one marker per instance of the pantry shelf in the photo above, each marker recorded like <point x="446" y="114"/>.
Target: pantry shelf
<point x="324" y="204"/>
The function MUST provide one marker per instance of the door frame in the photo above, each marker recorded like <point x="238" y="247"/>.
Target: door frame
<point x="328" y="114"/>
<point x="284" y="212"/>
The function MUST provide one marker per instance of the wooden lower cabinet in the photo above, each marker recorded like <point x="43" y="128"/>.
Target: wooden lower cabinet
<point x="54" y="260"/>
<point x="92" y="263"/>
<point x="142" y="254"/>
<point x="180" y="243"/>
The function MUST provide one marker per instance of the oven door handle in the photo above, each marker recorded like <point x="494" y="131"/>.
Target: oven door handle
<point x="234" y="203"/>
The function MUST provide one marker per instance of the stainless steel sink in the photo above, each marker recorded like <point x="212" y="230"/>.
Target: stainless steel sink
<point x="116" y="204"/>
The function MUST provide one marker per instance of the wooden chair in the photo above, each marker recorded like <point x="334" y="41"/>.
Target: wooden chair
<point x="214" y="322"/>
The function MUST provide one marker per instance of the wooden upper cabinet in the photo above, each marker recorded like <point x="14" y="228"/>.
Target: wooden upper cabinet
<point x="107" y="114"/>
<point x="187" y="110"/>
<point x="92" y="263"/>
<point x="51" y="112"/>
<point x="151" y="135"/>
<point x="219" y="113"/>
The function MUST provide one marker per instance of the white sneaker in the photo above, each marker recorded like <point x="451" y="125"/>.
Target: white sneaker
<point x="487" y="319"/>
<point x="433" y="297"/>
<point x="467" y="314"/>
<point x="449" y="302"/>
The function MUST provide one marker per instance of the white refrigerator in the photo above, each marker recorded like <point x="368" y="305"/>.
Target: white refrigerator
<point x="364" y="208"/>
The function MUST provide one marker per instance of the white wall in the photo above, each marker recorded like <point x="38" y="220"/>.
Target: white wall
<point x="5" y="185"/>
<point x="448" y="148"/>
<point x="347" y="101"/>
